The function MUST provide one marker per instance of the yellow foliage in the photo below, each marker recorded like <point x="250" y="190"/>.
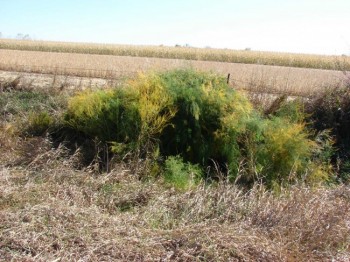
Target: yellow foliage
<point x="153" y="101"/>
<point x="318" y="174"/>
<point x="286" y="148"/>
<point x="237" y="112"/>
<point x="89" y="103"/>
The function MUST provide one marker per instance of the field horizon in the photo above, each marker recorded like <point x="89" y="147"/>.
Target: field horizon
<point x="246" y="56"/>
<point x="115" y="44"/>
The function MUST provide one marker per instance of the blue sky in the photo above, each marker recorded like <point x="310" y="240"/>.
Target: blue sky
<point x="305" y="26"/>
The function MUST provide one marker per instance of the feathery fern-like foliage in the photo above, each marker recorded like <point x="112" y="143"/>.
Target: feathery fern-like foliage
<point x="199" y="118"/>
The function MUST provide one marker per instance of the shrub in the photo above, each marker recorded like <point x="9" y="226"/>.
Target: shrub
<point x="277" y="151"/>
<point x="294" y="111"/>
<point x="198" y="118"/>
<point x="285" y="151"/>
<point x="209" y="114"/>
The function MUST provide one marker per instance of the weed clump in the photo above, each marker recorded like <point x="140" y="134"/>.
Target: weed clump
<point x="209" y="116"/>
<point x="199" y="118"/>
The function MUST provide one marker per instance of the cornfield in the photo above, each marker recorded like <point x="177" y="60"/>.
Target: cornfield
<point x="187" y="53"/>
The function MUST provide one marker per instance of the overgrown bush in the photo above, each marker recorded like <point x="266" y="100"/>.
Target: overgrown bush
<point x="209" y="117"/>
<point x="198" y="117"/>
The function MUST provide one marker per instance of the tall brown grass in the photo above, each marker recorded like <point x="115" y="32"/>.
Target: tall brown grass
<point x="49" y="211"/>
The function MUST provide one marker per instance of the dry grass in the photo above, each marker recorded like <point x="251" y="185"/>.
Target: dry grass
<point x="52" y="212"/>
<point x="260" y="78"/>
<point x="188" y="53"/>
<point x="37" y="81"/>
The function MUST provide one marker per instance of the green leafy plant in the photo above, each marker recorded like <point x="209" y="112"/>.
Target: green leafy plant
<point x="181" y="175"/>
<point x="155" y="108"/>
<point x="294" y="111"/>
<point x="209" y="113"/>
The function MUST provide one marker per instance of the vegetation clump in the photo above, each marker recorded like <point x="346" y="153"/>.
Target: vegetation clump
<point x="198" y="117"/>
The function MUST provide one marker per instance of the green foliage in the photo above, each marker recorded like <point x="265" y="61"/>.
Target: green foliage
<point x="198" y="118"/>
<point x="206" y="108"/>
<point x="181" y="175"/>
<point x="277" y="151"/>
<point x="325" y="149"/>
<point x="30" y="112"/>
<point x="345" y="172"/>
<point x="155" y="107"/>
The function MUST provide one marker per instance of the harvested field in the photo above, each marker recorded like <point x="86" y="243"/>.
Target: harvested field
<point x="294" y="81"/>
<point x="187" y="53"/>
